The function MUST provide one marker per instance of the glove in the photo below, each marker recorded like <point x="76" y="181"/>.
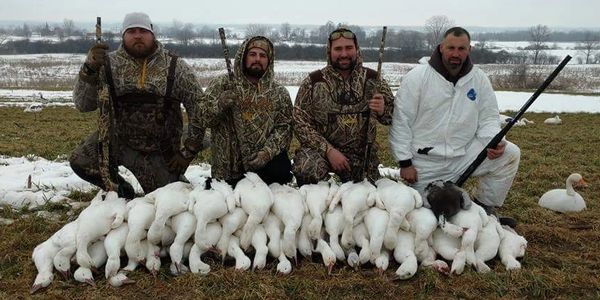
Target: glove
<point x="95" y="57"/>
<point x="258" y="160"/>
<point x="180" y="161"/>
<point x="226" y="99"/>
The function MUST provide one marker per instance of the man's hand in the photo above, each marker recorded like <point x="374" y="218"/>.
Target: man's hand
<point x="338" y="161"/>
<point x="377" y="104"/>
<point x="180" y="161"/>
<point x="258" y="160"/>
<point x="497" y="152"/>
<point x="95" y="56"/>
<point x="227" y="98"/>
<point x="409" y="174"/>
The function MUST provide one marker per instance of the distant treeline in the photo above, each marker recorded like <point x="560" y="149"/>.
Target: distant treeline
<point x="283" y="51"/>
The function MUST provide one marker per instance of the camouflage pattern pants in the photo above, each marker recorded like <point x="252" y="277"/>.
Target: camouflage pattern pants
<point x="150" y="169"/>
<point x="311" y="166"/>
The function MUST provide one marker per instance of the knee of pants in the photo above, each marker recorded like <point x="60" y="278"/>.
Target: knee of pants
<point x="309" y="166"/>
<point x="512" y="150"/>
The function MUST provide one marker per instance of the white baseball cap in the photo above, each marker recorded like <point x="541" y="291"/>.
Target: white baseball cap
<point x="137" y="20"/>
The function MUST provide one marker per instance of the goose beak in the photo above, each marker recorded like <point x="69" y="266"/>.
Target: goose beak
<point x="581" y="183"/>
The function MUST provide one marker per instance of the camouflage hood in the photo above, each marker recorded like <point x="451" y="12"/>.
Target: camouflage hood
<point x="239" y="61"/>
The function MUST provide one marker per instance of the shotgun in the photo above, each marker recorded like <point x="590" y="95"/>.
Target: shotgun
<point x="496" y="139"/>
<point x="368" y="141"/>
<point x="108" y="171"/>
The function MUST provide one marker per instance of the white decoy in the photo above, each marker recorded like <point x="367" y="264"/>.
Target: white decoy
<point x="113" y="244"/>
<point x="95" y="221"/>
<point x="259" y="243"/>
<point x="376" y="220"/>
<point x="242" y="262"/>
<point x="184" y="225"/>
<point x="316" y="197"/>
<point x="355" y="200"/>
<point x="334" y="225"/>
<point x="404" y="254"/>
<point x="504" y="119"/>
<point x="209" y="241"/>
<point x="512" y="246"/>
<point x="553" y="121"/>
<point x="140" y="216"/>
<point x="487" y="243"/>
<point x="327" y="254"/>
<point x="169" y="200"/>
<point x="211" y="205"/>
<point x="289" y="206"/>
<point x="398" y="199"/>
<point x="565" y="200"/>
<point x="230" y="222"/>
<point x="254" y="196"/>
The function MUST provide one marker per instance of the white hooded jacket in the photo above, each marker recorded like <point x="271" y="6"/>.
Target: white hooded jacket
<point x="429" y="111"/>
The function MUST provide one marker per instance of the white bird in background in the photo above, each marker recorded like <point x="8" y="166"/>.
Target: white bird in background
<point x="512" y="246"/>
<point x="95" y="221"/>
<point x="289" y="206"/>
<point x="254" y="196"/>
<point x="169" y="201"/>
<point x="553" y="121"/>
<point x="504" y="119"/>
<point x="565" y="200"/>
<point x="211" y="238"/>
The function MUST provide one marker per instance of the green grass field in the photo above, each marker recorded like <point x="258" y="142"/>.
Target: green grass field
<point x="562" y="259"/>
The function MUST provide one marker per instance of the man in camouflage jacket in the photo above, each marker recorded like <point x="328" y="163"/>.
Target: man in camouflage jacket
<point x="250" y="118"/>
<point x="331" y="114"/>
<point x="149" y="86"/>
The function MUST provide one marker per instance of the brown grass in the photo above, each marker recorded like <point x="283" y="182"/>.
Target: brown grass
<point x="562" y="260"/>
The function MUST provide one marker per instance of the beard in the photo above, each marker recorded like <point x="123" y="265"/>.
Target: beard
<point x="140" y="50"/>
<point x="453" y="63"/>
<point x="337" y="65"/>
<point x="255" y="70"/>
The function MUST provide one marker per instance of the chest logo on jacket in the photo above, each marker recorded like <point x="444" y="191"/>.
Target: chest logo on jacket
<point x="472" y="94"/>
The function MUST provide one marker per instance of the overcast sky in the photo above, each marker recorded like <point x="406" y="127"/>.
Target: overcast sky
<point x="497" y="13"/>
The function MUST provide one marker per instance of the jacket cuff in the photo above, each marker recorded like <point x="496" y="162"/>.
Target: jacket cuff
<point x="405" y="163"/>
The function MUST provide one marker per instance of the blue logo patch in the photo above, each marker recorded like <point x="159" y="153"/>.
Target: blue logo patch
<point x="472" y="94"/>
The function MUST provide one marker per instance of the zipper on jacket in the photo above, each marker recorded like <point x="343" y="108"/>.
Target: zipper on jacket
<point x="142" y="80"/>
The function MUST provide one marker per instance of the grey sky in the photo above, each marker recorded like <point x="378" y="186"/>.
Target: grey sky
<point x="504" y="13"/>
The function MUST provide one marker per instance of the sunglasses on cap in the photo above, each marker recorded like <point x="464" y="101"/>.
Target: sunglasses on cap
<point x="345" y="33"/>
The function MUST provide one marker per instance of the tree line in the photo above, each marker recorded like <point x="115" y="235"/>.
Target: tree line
<point x="300" y="43"/>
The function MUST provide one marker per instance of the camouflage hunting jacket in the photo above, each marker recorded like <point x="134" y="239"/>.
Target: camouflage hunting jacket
<point x="260" y="119"/>
<point x="332" y="112"/>
<point x="147" y="78"/>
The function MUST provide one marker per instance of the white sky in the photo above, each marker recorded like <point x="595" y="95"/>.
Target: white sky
<point x="504" y="13"/>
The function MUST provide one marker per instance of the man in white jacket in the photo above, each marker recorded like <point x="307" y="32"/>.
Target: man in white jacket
<point x="445" y="113"/>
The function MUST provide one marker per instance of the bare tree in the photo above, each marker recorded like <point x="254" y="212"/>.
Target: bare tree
<point x="68" y="27"/>
<point x="286" y="31"/>
<point x="538" y="35"/>
<point x="256" y="29"/>
<point x="435" y="28"/>
<point x="589" y="44"/>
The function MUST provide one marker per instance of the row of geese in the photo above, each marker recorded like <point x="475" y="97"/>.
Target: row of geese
<point x="504" y="119"/>
<point x="357" y="223"/>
